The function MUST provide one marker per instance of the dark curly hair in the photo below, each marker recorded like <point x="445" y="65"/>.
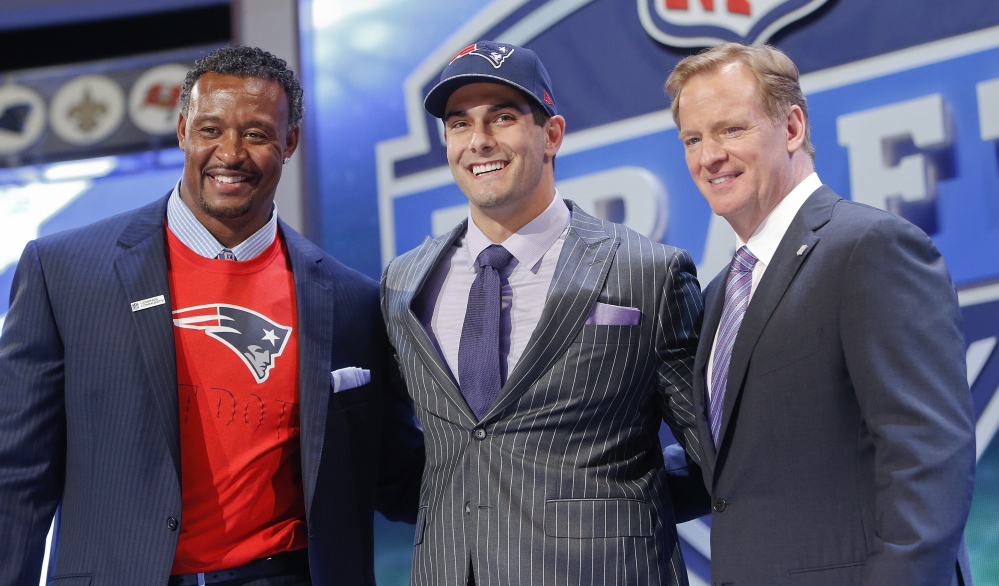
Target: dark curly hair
<point x="243" y="61"/>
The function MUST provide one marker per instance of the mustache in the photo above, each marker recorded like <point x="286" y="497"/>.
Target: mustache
<point x="237" y="169"/>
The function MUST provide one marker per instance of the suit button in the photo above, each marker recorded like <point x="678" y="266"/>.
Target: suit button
<point x="172" y="524"/>
<point x="468" y="507"/>
<point x="719" y="505"/>
<point x="479" y="433"/>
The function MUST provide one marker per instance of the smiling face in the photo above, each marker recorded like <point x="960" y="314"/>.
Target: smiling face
<point x="235" y="137"/>
<point x="742" y="162"/>
<point x="499" y="157"/>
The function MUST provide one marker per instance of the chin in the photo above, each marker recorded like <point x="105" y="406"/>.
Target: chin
<point x="226" y="212"/>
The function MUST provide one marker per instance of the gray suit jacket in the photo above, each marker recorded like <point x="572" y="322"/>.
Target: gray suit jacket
<point x="89" y="411"/>
<point x="847" y="443"/>
<point x="563" y="480"/>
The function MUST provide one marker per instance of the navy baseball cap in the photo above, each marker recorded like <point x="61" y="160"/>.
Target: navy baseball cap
<point x="491" y="62"/>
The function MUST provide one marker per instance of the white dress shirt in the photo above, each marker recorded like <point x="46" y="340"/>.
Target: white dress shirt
<point x="765" y="240"/>
<point x="525" y="282"/>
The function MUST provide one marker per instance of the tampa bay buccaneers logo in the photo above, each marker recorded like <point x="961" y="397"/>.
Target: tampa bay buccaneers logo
<point x="253" y="337"/>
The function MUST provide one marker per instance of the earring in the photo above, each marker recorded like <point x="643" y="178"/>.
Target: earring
<point x="286" y="159"/>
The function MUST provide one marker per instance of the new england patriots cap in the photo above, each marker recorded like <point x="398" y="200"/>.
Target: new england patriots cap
<point x="491" y="62"/>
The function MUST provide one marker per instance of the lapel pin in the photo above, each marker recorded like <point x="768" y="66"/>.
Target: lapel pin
<point x="802" y="249"/>
<point x="147" y="303"/>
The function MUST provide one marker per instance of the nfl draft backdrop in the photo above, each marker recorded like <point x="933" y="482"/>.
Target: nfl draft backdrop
<point x="904" y="104"/>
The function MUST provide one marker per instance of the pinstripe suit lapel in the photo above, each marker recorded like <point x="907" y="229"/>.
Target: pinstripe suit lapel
<point x="714" y="301"/>
<point x="141" y="268"/>
<point x="315" y="340"/>
<point x="580" y="274"/>
<point x="785" y="264"/>
<point x="428" y="258"/>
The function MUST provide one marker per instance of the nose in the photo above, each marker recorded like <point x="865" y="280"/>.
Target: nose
<point x="481" y="142"/>
<point x="231" y="150"/>
<point x="711" y="153"/>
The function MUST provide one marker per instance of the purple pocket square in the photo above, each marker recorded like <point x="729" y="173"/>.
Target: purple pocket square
<point x="604" y="314"/>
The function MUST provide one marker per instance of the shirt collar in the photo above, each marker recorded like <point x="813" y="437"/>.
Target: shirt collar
<point x="765" y="240"/>
<point x="186" y="227"/>
<point x="529" y="244"/>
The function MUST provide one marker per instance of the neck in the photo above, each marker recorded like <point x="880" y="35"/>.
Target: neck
<point x="801" y="168"/>
<point x="499" y="224"/>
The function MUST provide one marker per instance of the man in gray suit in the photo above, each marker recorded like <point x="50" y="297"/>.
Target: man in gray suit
<point x="835" y="416"/>
<point x="541" y="369"/>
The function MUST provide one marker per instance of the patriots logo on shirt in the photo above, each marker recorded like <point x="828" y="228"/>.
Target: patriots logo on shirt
<point x="495" y="53"/>
<point x="254" y="337"/>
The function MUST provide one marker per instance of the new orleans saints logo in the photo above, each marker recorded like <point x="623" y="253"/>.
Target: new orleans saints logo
<point x="255" y="338"/>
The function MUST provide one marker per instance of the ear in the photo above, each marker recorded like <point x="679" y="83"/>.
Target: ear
<point x="554" y="133"/>
<point x="181" y="130"/>
<point x="795" y="125"/>
<point x="291" y="141"/>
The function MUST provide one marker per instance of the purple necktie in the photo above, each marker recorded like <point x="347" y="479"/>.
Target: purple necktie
<point x="737" y="289"/>
<point x="479" y="372"/>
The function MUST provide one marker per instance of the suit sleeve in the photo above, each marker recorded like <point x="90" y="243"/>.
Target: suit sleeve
<point x="32" y="420"/>
<point x="679" y="322"/>
<point x="399" y="483"/>
<point x="902" y="338"/>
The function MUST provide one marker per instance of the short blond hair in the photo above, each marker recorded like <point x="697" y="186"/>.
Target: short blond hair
<point x="777" y="87"/>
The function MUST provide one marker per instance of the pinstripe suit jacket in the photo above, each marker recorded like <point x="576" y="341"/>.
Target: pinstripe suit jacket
<point x="89" y="411"/>
<point x="562" y="482"/>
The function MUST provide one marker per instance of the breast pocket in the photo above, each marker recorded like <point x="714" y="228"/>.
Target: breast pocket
<point x="608" y="335"/>
<point x="788" y="351"/>
<point x="75" y="580"/>
<point x="591" y="518"/>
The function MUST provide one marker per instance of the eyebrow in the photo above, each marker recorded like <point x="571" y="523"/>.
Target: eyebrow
<point x="523" y="109"/>
<point x="255" y="123"/>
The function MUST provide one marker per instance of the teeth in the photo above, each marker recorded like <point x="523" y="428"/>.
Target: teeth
<point x="486" y="168"/>
<point x="229" y="179"/>
<point x="720" y="179"/>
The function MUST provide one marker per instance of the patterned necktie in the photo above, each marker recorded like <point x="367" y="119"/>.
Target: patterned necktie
<point x="737" y="289"/>
<point x="479" y="349"/>
<point x="226" y="254"/>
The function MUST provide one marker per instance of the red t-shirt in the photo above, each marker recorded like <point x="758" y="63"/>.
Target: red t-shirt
<point x="235" y="332"/>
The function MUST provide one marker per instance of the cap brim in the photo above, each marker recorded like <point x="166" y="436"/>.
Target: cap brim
<point x="436" y="101"/>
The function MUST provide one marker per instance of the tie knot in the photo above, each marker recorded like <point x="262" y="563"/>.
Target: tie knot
<point x="743" y="261"/>
<point x="226" y="254"/>
<point x="495" y="256"/>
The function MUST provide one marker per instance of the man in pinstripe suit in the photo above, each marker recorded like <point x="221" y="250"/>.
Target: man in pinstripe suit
<point x="195" y="391"/>
<point x="558" y="476"/>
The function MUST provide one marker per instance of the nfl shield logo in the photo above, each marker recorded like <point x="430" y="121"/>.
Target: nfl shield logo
<point x="705" y="23"/>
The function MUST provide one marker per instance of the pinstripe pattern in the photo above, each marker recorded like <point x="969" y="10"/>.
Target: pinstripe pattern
<point x="88" y="411"/>
<point x="568" y="485"/>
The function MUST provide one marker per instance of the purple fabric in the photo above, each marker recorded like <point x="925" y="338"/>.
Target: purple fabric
<point x="479" y="372"/>
<point x="604" y="314"/>
<point x="737" y="289"/>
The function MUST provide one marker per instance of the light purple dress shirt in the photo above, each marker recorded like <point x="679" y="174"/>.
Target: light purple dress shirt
<point x="526" y="280"/>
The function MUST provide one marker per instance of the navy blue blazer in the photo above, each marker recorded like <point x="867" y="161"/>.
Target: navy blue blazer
<point x="89" y="415"/>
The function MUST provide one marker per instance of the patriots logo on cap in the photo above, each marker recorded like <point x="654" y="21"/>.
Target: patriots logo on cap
<point x="254" y="337"/>
<point x="495" y="53"/>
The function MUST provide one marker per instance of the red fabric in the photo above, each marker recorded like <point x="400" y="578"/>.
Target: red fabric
<point x="239" y="420"/>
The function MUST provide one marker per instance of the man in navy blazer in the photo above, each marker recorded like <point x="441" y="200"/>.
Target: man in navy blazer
<point x="95" y="417"/>
<point x="829" y="382"/>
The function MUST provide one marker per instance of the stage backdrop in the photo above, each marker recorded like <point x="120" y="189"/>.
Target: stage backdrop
<point x="904" y="104"/>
